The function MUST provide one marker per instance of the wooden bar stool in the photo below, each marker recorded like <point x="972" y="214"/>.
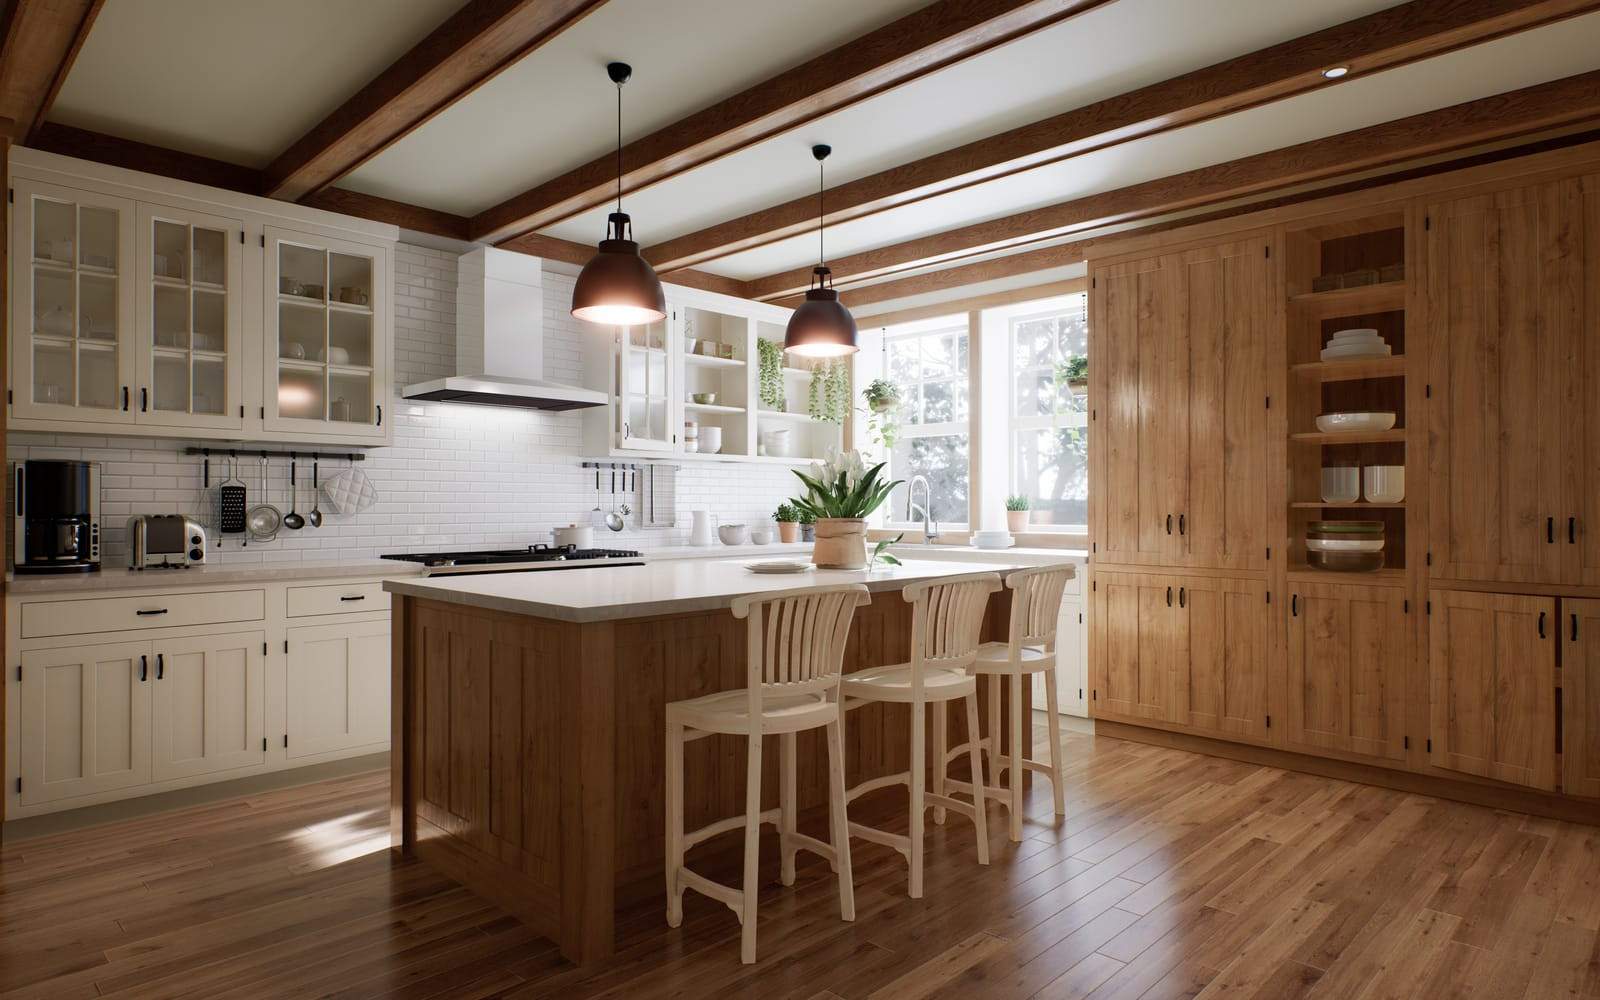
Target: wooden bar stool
<point x="795" y="658"/>
<point x="1031" y="649"/>
<point x="946" y="618"/>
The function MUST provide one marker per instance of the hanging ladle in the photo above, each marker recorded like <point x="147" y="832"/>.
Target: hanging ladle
<point x="613" y="519"/>
<point x="315" y="517"/>
<point x="293" y="520"/>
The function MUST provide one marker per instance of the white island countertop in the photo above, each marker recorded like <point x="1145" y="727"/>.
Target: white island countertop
<point x="607" y="593"/>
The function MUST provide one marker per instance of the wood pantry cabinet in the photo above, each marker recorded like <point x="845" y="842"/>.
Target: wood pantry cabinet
<point x="1180" y="406"/>
<point x="1192" y="651"/>
<point x="1580" y="698"/>
<point x="1349" y="651"/>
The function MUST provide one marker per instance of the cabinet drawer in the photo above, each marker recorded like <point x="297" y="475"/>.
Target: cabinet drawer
<point x="337" y="599"/>
<point x="114" y="614"/>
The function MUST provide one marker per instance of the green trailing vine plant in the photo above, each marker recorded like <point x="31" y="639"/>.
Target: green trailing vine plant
<point x="829" y="396"/>
<point x="882" y="397"/>
<point x="769" y="375"/>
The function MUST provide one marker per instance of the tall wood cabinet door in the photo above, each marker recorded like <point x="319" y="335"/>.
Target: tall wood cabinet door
<point x="84" y="720"/>
<point x="1503" y="279"/>
<point x="1492" y="674"/>
<point x="1133" y="651"/>
<point x="1349" y="649"/>
<point x="338" y="687"/>
<point x="1231" y="305"/>
<point x="1585" y="426"/>
<point x="1220" y="645"/>
<point x="1580" y="698"/>
<point x="1138" y="438"/>
<point x="208" y="706"/>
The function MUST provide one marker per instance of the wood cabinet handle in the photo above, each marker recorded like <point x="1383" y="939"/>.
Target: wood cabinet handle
<point x="1180" y="524"/>
<point x="1169" y="597"/>
<point x="1183" y="600"/>
<point x="1549" y="531"/>
<point x="1572" y="531"/>
<point x="1169" y="524"/>
<point x="1294" y="605"/>
<point x="1541" y="624"/>
<point x="1574" y="626"/>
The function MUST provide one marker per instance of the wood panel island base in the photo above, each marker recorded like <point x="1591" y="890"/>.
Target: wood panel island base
<point x="529" y="724"/>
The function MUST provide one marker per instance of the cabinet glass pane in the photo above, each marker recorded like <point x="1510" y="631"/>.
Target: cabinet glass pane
<point x="52" y="373"/>
<point x="53" y="312"/>
<point x="171" y="320"/>
<point x="350" y="279"/>
<point x="97" y="239"/>
<point x="300" y="393"/>
<point x="54" y="224"/>
<point x="97" y="377"/>
<point x="301" y="334"/>
<point x="170" y="375"/>
<point x="97" y="306"/>
<point x="349" y="338"/>
<point x="170" y="251"/>
<point x="210" y="386"/>
<point x="351" y="398"/>
<point x="210" y="326"/>
<point x="302" y="271"/>
<point x="210" y="256"/>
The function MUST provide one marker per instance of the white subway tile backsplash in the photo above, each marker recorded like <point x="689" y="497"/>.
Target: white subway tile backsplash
<point x="456" y="477"/>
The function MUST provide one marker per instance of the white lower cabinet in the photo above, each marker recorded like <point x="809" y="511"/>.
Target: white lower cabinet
<point x="338" y="684"/>
<point x="208" y="704"/>
<point x="1072" y="660"/>
<point x="85" y="720"/>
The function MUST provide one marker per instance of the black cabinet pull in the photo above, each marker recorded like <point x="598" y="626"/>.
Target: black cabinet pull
<point x="144" y="399"/>
<point x="1183" y="600"/>
<point x="161" y="666"/>
<point x="1169" y="524"/>
<point x="1169" y="597"/>
<point x="1294" y="605"/>
<point x="1541" y="624"/>
<point x="380" y="415"/>
<point x="144" y="668"/>
<point x="1572" y="531"/>
<point x="125" y="403"/>
<point x="355" y="597"/>
<point x="157" y="611"/>
<point x="1549" y="531"/>
<point x="1574" y="627"/>
<point x="1180" y="524"/>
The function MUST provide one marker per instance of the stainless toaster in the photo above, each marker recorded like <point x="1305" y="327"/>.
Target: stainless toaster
<point x="165" y="540"/>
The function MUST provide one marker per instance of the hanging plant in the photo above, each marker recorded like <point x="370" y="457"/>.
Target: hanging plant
<point x="829" y="395"/>
<point x="882" y="395"/>
<point x="883" y="400"/>
<point x="769" y="375"/>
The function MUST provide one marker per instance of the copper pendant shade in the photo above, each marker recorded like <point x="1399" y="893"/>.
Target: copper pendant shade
<point x="821" y="327"/>
<point x="617" y="287"/>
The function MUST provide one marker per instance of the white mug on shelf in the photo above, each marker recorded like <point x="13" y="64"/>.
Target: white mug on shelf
<point x="1341" y="484"/>
<point x="710" y="439"/>
<point x="1384" y="483"/>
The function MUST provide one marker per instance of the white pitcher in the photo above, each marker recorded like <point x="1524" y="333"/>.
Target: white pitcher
<point x="703" y="530"/>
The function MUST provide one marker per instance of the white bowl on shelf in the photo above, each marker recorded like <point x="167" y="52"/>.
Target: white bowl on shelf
<point x="1341" y="423"/>
<point x="1384" y="483"/>
<point x="734" y="534"/>
<point x="1344" y="545"/>
<point x="1341" y="484"/>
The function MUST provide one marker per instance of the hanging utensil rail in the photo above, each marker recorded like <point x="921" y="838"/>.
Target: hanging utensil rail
<point x="354" y="456"/>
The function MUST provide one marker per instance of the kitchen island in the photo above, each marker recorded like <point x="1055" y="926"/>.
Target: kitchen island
<point x="529" y="724"/>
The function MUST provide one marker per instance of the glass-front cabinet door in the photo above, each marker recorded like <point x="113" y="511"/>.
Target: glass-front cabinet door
<point x="72" y="305"/>
<point x="644" y="388"/>
<point x="325" y="365"/>
<point x="190" y="371"/>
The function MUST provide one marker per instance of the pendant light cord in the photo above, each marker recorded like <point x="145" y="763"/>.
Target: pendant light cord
<point x="822" y="258"/>
<point x="619" y="147"/>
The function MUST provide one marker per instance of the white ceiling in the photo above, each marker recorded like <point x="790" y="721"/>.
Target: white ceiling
<point x="235" y="80"/>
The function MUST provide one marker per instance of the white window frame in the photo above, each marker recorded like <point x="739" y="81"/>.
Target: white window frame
<point x="1012" y="317"/>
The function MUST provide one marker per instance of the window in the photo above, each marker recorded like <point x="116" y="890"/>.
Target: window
<point x="929" y="362"/>
<point x="1049" y="425"/>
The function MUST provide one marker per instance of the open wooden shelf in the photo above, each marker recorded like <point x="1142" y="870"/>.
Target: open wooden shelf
<point x="1394" y="434"/>
<point x="1350" y="371"/>
<point x="1351" y="505"/>
<point x="1382" y="297"/>
<point x="1307" y="574"/>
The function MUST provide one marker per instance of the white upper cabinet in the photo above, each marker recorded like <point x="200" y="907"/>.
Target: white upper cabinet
<point x="176" y="310"/>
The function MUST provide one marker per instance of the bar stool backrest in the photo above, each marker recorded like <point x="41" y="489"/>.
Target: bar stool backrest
<point x="1036" y="603"/>
<point x="947" y="618"/>
<point x="797" y="637"/>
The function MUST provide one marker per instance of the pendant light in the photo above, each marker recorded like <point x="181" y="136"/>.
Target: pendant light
<point x="821" y="327"/>
<point x="617" y="287"/>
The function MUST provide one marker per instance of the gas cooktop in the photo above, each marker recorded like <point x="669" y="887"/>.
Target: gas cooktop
<point x="507" y="560"/>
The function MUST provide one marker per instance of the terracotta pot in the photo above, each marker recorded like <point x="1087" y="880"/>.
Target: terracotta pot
<point x="788" y="531"/>
<point x="841" y="543"/>
<point x="1017" y="521"/>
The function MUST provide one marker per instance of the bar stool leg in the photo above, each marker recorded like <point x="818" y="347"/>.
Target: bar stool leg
<point x="919" y="777"/>
<point x="840" y="820"/>
<point x="1018" y="722"/>
<point x="997" y="743"/>
<point x="752" y="852"/>
<point x="786" y="805"/>
<point x="1052" y="708"/>
<point x="980" y="805"/>
<point x="674" y="823"/>
<point x="940" y="747"/>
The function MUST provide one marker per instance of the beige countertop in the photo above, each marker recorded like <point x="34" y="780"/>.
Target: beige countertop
<point x="604" y="593"/>
<point x="221" y="574"/>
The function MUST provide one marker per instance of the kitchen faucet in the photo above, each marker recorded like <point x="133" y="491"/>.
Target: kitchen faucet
<point x="930" y="527"/>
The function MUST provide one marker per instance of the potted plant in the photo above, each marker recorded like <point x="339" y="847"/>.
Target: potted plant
<point x="840" y="494"/>
<point x="882" y="395"/>
<point x="1017" y="513"/>
<point x="769" y="375"/>
<point x="788" y="522"/>
<point x="1074" y="374"/>
<point x="883" y="404"/>
<point x="808" y="526"/>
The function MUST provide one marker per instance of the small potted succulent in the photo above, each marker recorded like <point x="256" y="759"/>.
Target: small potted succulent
<point x="841" y="493"/>
<point x="808" y="526"/>
<point x="788" y="522"/>
<point x="1017" y="513"/>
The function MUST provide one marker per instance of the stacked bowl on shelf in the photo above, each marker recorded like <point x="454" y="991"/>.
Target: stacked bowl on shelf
<point x="1345" y="546"/>
<point x="1353" y="345"/>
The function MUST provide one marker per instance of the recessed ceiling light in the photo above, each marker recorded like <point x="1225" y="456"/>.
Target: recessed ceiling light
<point x="1334" y="72"/>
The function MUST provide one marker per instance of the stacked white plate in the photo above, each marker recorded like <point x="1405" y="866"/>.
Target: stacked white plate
<point x="1348" y="345"/>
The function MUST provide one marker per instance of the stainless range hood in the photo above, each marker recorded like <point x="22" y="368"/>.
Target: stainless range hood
<point x="500" y="339"/>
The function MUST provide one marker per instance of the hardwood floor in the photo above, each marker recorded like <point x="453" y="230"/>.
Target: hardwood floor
<point x="1174" y="875"/>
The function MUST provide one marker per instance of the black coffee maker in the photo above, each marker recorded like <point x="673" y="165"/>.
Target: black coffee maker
<point x="56" y="525"/>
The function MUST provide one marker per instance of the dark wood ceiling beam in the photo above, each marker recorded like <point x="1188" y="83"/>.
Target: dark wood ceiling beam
<point x="39" y="40"/>
<point x="1389" y="38"/>
<point x="554" y="248"/>
<point x="472" y="46"/>
<point x="920" y="43"/>
<point x="1567" y="102"/>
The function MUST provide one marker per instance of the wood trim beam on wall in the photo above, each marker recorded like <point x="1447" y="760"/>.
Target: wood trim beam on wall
<point x="938" y="35"/>
<point x="1403" y="34"/>
<point x="1561" y="103"/>
<point x="39" y="40"/>
<point x="476" y="43"/>
<point x="974" y="303"/>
